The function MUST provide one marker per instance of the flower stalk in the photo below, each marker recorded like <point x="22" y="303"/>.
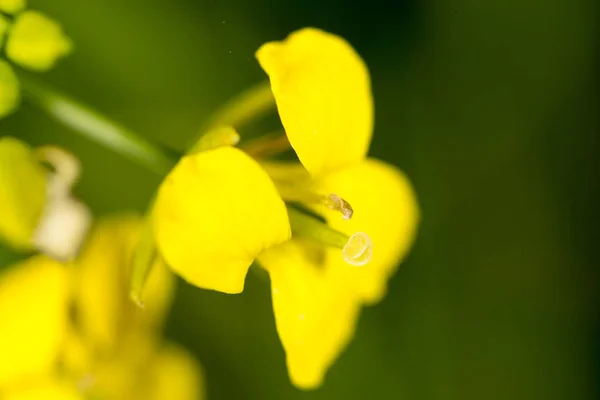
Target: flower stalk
<point x="96" y="127"/>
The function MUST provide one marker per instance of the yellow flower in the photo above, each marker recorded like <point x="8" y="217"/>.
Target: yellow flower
<point x="37" y="209"/>
<point x="36" y="41"/>
<point x="33" y="318"/>
<point x="322" y="91"/>
<point x="116" y="348"/>
<point x="219" y="209"/>
<point x="214" y="213"/>
<point x="94" y="343"/>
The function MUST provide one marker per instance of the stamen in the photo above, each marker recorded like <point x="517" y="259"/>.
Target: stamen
<point x="357" y="250"/>
<point x="336" y="203"/>
<point x="267" y="146"/>
<point x="307" y="197"/>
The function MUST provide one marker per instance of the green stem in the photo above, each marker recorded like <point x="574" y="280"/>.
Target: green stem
<point x="96" y="127"/>
<point x="308" y="226"/>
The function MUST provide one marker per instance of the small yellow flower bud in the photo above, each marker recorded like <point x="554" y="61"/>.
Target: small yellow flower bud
<point x="9" y="89"/>
<point x="36" y="42"/>
<point x="12" y="6"/>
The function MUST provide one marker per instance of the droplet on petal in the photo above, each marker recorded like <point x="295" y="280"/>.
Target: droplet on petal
<point x="358" y="251"/>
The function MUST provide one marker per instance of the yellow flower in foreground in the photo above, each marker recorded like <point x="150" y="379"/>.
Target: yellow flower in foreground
<point x="322" y="91"/>
<point x="218" y="209"/>
<point x="214" y="213"/>
<point x="36" y="41"/>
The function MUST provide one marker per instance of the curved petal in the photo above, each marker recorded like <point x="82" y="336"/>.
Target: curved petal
<point x="174" y="374"/>
<point x="33" y="296"/>
<point x="214" y="213"/>
<point x="105" y="312"/>
<point x="36" y="41"/>
<point x="323" y="94"/>
<point x="314" y="312"/>
<point x="22" y="192"/>
<point x="385" y="207"/>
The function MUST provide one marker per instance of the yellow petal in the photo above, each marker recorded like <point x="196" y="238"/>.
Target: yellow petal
<point x="12" y="6"/>
<point x="33" y="317"/>
<point x="385" y="207"/>
<point x="174" y="374"/>
<point x="314" y="312"/>
<point x="323" y="95"/>
<point x="214" y="213"/>
<point x="22" y="194"/>
<point x="10" y="95"/>
<point x="36" y="41"/>
<point x="44" y="389"/>
<point x="105" y="311"/>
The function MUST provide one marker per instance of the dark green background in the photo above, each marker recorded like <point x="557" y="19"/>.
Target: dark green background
<point x="489" y="106"/>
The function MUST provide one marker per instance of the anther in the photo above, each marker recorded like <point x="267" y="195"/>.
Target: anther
<point x="336" y="203"/>
<point x="358" y="251"/>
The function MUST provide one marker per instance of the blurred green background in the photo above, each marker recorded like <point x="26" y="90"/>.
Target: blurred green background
<point x="491" y="107"/>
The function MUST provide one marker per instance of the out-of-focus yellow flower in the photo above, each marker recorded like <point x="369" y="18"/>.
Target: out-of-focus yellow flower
<point x="37" y="210"/>
<point x="12" y="6"/>
<point x="214" y="213"/>
<point x="9" y="90"/>
<point x="101" y="295"/>
<point x="45" y="388"/>
<point x="34" y="299"/>
<point x="36" y="42"/>
<point x="116" y="350"/>
<point x="22" y="194"/>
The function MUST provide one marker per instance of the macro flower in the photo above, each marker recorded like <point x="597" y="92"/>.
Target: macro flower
<point x="352" y="218"/>
<point x="214" y="213"/>
<point x="322" y="91"/>
<point x="37" y="208"/>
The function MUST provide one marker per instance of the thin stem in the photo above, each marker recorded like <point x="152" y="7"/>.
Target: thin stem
<point x="308" y="226"/>
<point x="96" y="127"/>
